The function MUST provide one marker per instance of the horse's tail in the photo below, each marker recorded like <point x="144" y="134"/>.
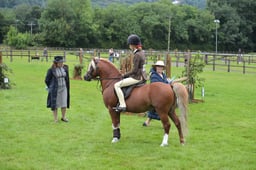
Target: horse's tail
<point x="182" y="101"/>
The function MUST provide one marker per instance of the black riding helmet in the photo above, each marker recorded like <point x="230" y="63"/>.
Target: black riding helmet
<point x="133" y="39"/>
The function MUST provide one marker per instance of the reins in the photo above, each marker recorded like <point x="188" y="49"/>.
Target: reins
<point x="111" y="78"/>
<point x="108" y="78"/>
<point x="101" y="79"/>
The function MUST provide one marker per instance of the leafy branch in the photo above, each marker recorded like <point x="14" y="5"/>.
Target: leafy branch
<point x="195" y="66"/>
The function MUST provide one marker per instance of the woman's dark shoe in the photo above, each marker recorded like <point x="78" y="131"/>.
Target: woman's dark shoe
<point x="64" y="119"/>
<point x="144" y="124"/>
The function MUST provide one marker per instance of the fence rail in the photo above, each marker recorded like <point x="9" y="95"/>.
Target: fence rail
<point x="245" y="63"/>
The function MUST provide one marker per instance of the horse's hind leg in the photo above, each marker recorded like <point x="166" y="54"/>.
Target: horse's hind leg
<point x="176" y="121"/>
<point x="166" y="126"/>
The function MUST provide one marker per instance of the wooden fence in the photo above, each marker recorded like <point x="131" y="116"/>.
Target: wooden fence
<point x="244" y="63"/>
<point x="31" y="54"/>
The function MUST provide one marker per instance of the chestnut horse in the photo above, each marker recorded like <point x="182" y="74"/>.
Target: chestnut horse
<point x="158" y="96"/>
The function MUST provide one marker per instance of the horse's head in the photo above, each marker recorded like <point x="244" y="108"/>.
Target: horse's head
<point x="103" y="69"/>
<point x="92" y="71"/>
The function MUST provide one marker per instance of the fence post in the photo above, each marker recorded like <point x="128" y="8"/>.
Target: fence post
<point x="28" y="55"/>
<point x="168" y="65"/>
<point x="1" y="60"/>
<point x="1" y="67"/>
<point x="11" y="55"/>
<point x="94" y="53"/>
<point x="177" y="60"/>
<point x="206" y="59"/>
<point x="228" y="65"/>
<point x="213" y="62"/>
<point x="243" y="67"/>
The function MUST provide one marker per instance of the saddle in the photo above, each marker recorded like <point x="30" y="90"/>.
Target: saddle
<point x="127" y="90"/>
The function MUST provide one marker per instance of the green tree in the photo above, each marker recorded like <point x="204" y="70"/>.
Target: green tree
<point x="190" y="27"/>
<point x="22" y="17"/>
<point x="114" y="24"/>
<point x="16" y="39"/>
<point x="193" y="67"/>
<point x="83" y="22"/>
<point x="7" y="18"/>
<point x="1" y="27"/>
<point x="66" y="23"/>
<point x="199" y="28"/>
<point x="56" y="23"/>
<point x="153" y="19"/>
<point x="237" y="23"/>
<point x="197" y="3"/>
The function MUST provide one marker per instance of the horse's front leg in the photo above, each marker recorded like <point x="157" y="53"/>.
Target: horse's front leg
<point x="115" y="117"/>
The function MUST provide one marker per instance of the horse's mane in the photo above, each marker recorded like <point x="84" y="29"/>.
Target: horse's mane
<point x="111" y="66"/>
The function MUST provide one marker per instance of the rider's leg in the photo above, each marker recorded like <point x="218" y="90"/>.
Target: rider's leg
<point x="120" y="94"/>
<point x="123" y="83"/>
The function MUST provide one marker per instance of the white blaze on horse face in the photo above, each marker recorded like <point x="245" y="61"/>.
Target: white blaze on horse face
<point x="92" y="64"/>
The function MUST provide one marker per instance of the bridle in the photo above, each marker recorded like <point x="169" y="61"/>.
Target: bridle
<point x="93" y="69"/>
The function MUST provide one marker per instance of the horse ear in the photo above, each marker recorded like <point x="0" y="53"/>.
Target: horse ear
<point x="95" y="59"/>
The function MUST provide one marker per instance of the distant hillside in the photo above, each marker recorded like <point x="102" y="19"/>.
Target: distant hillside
<point x="101" y="3"/>
<point x="104" y="3"/>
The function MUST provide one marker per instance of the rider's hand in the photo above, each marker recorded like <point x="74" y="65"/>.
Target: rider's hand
<point x="170" y="81"/>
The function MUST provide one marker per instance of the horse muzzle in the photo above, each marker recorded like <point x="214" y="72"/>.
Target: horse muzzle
<point x="87" y="77"/>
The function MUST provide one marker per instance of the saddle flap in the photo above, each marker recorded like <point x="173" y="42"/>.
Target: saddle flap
<point x="127" y="90"/>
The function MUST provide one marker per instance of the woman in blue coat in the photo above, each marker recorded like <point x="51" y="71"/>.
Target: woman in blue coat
<point x="156" y="75"/>
<point x="57" y="82"/>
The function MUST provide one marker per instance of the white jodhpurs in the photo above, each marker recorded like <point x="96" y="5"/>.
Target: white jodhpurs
<point x="123" y="83"/>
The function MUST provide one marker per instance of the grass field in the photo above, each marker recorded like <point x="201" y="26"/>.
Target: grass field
<point x="222" y="130"/>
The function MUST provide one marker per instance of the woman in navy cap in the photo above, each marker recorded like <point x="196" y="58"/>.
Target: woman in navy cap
<point x="57" y="81"/>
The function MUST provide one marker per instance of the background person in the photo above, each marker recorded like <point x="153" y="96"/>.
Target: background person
<point x="111" y="54"/>
<point x="57" y="82"/>
<point x="45" y="54"/>
<point x="81" y="55"/>
<point x="156" y="75"/>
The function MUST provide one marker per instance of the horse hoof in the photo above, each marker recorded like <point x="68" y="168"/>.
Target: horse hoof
<point x="182" y="143"/>
<point x="114" y="140"/>
<point x="164" y="144"/>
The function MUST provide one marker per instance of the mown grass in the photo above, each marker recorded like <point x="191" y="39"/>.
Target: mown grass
<point x="222" y="130"/>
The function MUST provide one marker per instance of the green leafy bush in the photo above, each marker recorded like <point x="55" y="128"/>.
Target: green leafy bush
<point x="16" y="39"/>
<point x="5" y="83"/>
